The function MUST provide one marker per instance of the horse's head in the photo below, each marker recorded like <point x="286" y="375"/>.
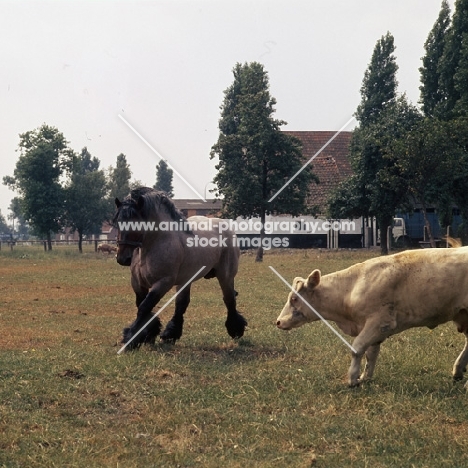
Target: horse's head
<point x="143" y="208"/>
<point x="130" y="234"/>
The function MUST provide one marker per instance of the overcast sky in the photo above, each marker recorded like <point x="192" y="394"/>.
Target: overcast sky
<point x="163" y="66"/>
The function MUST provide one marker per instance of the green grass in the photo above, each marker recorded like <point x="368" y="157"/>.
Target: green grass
<point x="271" y="399"/>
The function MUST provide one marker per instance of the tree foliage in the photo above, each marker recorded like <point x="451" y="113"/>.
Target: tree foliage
<point x="20" y="226"/>
<point x="44" y="158"/>
<point x="256" y="159"/>
<point x="86" y="206"/>
<point x="376" y="188"/>
<point x="4" y="229"/>
<point x="119" y="179"/>
<point x="164" y="178"/>
<point x="453" y="66"/>
<point x="379" y="85"/>
<point x="432" y="95"/>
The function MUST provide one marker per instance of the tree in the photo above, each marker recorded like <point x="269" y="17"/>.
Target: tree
<point x="119" y="179"/>
<point x="44" y="158"/>
<point x="429" y="158"/>
<point x="376" y="188"/>
<point x="256" y="159"/>
<point x="453" y="66"/>
<point x="459" y="138"/>
<point x="164" y="178"/>
<point x="432" y="96"/>
<point x="379" y="85"/>
<point x="85" y="197"/>
<point x="21" y="227"/>
<point x="4" y="229"/>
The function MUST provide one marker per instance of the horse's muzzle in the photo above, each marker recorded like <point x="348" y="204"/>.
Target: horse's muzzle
<point x="124" y="260"/>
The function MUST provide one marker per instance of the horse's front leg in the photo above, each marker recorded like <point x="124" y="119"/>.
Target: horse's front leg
<point x="173" y="330"/>
<point x="145" y="329"/>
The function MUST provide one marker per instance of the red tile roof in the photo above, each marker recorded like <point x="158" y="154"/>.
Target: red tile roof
<point x="331" y="165"/>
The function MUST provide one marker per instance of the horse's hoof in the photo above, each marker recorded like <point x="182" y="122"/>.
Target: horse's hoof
<point x="236" y="326"/>
<point x="130" y="345"/>
<point x="355" y="384"/>
<point x="172" y="332"/>
<point x="169" y="341"/>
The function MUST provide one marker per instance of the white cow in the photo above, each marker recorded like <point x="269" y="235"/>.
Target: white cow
<point x="384" y="296"/>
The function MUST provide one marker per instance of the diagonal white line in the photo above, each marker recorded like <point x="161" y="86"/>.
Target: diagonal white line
<point x="156" y="152"/>
<point x="161" y="309"/>
<point x="313" y="310"/>
<point x="311" y="159"/>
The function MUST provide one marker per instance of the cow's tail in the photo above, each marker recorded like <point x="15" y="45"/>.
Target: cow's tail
<point x="452" y="242"/>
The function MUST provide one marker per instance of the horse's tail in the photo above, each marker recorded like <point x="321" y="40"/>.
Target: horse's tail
<point x="452" y="242"/>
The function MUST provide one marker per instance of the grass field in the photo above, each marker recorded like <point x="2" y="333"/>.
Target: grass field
<point x="271" y="399"/>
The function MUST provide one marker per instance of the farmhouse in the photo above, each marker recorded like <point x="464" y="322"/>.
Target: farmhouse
<point x="331" y="164"/>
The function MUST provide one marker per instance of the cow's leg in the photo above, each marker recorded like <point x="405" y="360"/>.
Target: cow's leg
<point x="174" y="327"/>
<point x="462" y="361"/>
<point x="367" y="342"/>
<point x="146" y="333"/>
<point x="235" y="322"/>
<point x="371" y="358"/>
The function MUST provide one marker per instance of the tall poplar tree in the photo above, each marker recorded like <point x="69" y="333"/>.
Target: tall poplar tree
<point x="119" y="179"/>
<point x="164" y="178"/>
<point x="375" y="189"/>
<point x="432" y="95"/>
<point x="454" y="65"/>
<point x="256" y="158"/>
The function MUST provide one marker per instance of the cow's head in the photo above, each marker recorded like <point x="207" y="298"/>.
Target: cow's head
<point x="296" y="312"/>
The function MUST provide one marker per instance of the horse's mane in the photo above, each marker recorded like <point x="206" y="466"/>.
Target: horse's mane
<point x="153" y="201"/>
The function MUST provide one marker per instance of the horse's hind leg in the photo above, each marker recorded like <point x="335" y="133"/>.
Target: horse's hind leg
<point x="235" y="322"/>
<point x="173" y="330"/>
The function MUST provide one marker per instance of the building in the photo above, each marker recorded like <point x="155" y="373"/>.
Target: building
<point x="331" y="165"/>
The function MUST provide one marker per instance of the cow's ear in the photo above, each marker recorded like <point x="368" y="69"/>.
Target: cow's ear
<point x="313" y="280"/>
<point x="298" y="283"/>
<point x="118" y="203"/>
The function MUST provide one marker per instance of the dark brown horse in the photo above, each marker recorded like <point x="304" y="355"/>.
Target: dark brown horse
<point x="165" y="250"/>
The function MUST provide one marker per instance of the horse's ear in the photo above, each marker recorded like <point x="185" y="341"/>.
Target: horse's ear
<point x="118" y="203"/>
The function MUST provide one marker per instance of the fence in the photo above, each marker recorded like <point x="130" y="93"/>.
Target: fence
<point x="11" y="244"/>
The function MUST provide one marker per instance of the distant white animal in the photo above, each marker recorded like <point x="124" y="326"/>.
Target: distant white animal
<point x="106" y="248"/>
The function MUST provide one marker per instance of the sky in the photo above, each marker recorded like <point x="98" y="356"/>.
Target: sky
<point x="102" y="71"/>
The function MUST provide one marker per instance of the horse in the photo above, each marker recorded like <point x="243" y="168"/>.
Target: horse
<point x="160" y="258"/>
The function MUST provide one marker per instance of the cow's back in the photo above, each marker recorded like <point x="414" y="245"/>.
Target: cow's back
<point x="423" y="287"/>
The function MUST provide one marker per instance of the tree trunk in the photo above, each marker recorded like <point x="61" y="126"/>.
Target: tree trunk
<point x="80" y="241"/>
<point x="49" y="241"/>
<point x="259" y="257"/>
